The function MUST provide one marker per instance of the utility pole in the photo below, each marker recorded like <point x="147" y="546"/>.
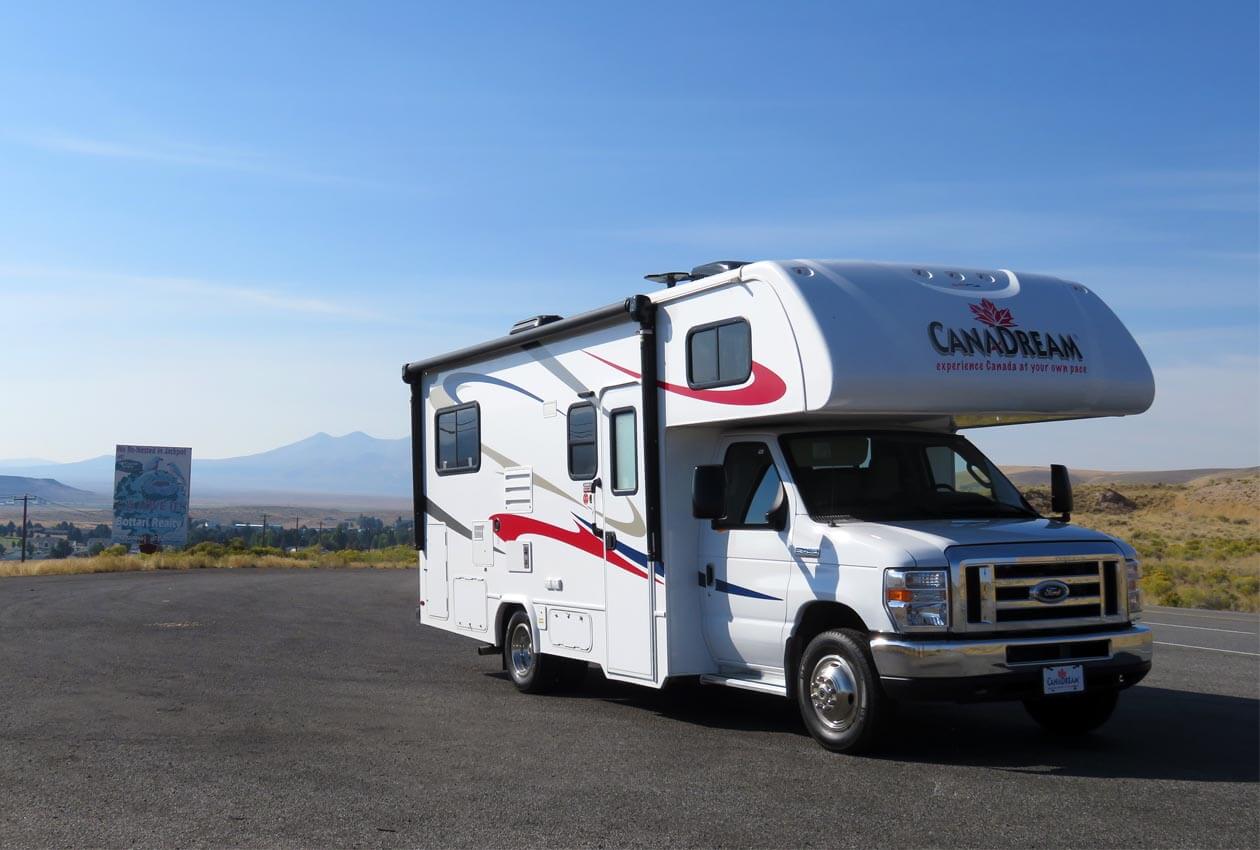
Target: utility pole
<point x="297" y="535"/>
<point x="264" y="539"/>
<point x="25" y="499"/>
<point x="321" y="534"/>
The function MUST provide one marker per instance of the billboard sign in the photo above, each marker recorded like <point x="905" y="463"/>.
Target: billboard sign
<point x="151" y="495"/>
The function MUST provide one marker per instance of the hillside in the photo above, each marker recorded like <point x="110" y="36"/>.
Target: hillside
<point x="1039" y="476"/>
<point x="44" y="488"/>
<point x="1199" y="540"/>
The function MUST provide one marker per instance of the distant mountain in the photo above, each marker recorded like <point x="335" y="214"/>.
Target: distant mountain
<point x="25" y="462"/>
<point x="95" y="474"/>
<point x="355" y="464"/>
<point x="45" y="488"/>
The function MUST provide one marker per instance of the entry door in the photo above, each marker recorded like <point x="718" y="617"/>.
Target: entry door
<point x="745" y="562"/>
<point x="629" y="582"/>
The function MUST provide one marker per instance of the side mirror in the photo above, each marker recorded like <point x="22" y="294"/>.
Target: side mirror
<point x="777" y="515"/>
<point x="708" y="492"/>
<point x="1061" y="491"/>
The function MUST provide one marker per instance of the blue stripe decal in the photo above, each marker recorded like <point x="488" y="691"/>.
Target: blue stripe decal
<point x="735" y="590"/>
<point x="452" y="382"/>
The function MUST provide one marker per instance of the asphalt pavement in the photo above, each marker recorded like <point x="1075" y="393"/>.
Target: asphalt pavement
<point x="301" y="708"/>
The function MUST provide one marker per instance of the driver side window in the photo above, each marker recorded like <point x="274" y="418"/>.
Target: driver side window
<point x="952" y="472"/>
<point x="753" y="486"/>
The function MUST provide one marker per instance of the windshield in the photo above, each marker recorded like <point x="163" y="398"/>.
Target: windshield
<point x="894" y="476"/>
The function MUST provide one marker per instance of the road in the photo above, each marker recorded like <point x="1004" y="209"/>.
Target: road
<point x="306" y="708"/>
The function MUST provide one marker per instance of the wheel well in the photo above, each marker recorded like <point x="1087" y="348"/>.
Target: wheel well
<point x="813" y="620"/>
<point x="501" y="618"/>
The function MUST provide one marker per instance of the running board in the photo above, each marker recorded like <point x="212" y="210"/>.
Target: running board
<point x="758" y="685"/>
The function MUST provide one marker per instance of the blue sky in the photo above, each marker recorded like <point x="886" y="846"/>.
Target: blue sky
<point x="227" y="225"/>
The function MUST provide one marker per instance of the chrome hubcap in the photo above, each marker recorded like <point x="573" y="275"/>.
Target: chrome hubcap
<point x="522" y="650"/>
<point x="833" y="691"/>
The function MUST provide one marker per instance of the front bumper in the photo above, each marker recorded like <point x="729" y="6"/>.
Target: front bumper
<point x="1009" y="667"/>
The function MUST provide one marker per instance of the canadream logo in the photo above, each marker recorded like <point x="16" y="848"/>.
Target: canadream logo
<point x="1001" y="335"/>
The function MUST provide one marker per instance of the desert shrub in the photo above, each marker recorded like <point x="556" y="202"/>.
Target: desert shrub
<point x="117" y="550"/>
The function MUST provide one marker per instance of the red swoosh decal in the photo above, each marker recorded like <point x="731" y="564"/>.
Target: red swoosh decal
<point x="766" y="386"/>
<point x="512" y="526"/>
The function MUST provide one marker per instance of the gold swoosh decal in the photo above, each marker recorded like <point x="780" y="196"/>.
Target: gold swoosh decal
<point x="636" y="527"/>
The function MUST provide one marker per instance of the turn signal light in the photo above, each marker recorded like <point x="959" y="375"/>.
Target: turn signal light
<point x="900" y="594"/>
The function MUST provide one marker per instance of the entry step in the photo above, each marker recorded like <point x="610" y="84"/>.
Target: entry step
<point x="760" y="685"/>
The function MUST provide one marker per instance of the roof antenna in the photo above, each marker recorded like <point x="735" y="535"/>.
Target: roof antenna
<point x="668" y="278"/>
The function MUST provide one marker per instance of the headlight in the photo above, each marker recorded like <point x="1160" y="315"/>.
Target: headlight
<point x="917" y="600"/>
<point x="1133" y="581"/>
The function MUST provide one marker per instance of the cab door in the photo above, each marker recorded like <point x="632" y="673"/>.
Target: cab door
<point x="745" y="561"/>
<point x="629" y="581"/>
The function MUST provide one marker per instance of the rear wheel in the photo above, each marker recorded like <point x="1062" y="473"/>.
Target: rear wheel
<point x="1075" y="714"/>
<point x="838" y="691"/>
<point x="531" y="671"/>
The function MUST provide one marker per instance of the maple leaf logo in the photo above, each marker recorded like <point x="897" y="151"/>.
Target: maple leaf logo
<point x="992" y="315"/>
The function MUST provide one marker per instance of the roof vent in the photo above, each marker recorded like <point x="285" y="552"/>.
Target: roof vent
<point x="533" y="322"/>
<point x="706" y="270"/>
<point x="716" y="267"/>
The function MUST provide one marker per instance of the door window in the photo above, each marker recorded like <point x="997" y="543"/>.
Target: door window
<point x="625" y="452"/>
<point x="753" y="486"/>
<point x="582" y="458"/>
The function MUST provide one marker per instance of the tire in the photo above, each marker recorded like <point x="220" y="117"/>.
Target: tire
<point x="1073" y="715"/>
<point x="838" y="691"/>
<point x="531" y="671"/>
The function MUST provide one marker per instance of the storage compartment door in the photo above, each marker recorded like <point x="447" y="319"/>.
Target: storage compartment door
<point x="434" y="588"/>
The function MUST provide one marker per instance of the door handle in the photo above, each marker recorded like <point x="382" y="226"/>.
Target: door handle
<point x="708" y="575"/>
<point x="610" y="540"/>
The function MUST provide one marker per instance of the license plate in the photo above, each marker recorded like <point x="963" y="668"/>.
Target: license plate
<point x="1063" y="679"/>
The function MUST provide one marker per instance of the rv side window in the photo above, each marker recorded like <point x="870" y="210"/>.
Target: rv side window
<point x="582" y="459"/>
<point x="458" y="439"/>
<point x="752" y="486"/>
<point x="625" y="452"/>
<point x="720" y="354"/>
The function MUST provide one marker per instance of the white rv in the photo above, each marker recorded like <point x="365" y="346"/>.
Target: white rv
<point x="755" y="477"/>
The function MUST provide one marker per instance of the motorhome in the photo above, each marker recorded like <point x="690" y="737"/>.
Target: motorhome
<point x="756" y="476"/>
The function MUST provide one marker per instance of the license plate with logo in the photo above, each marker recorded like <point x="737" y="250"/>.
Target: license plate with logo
<point x="1063" y="679"/>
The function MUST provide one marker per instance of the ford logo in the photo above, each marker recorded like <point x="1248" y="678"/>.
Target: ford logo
<point x="1050" y="592"/>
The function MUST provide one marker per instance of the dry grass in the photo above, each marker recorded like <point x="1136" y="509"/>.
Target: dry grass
<point x="214" y="558"/>
<point x="1199" y="542"/>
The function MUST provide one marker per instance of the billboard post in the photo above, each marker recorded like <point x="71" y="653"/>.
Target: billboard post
<point x="151" y="496"/>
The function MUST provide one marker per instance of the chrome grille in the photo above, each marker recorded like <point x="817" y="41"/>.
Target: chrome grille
<point x="1036" y="591"/>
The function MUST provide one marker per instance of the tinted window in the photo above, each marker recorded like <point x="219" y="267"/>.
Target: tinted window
<point x="458" y="439"/>
<point x="719" y="355"/>
<point x="752" y="485"/>
<point x="582" y="460"/>
<point x="625" y="453"/>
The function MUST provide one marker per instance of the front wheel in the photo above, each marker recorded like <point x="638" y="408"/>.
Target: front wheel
<point x="1075" y="714"/>
<point x="838" y="691"/>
